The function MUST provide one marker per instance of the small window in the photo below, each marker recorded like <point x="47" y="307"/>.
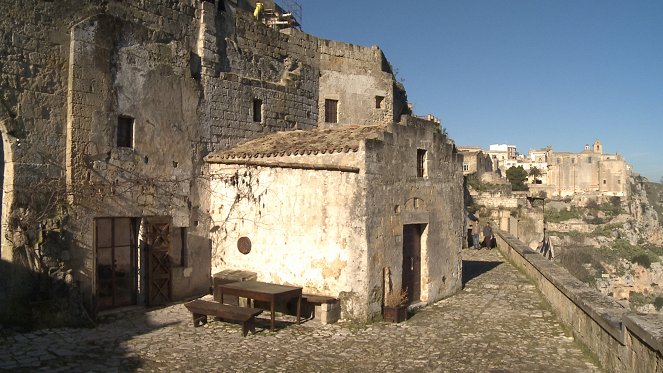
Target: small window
<point x="257" y="110"/>
<point x="379" y="100"/>
<point x="331" y="111"/>
<point x="421" y="163"/>
<point x="125" y="132"/>
<point x="559" y="160"/>
<point x="605" y="181"/>
<point x="466" y="167"/>
<point x="619" y="181"/>
<point x="589" y="159"/>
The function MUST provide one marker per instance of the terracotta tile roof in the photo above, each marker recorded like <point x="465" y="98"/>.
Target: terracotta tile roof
<point x="321" y="140"/>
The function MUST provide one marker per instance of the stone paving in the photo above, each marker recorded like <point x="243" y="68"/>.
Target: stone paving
<point x="497" y="323"/>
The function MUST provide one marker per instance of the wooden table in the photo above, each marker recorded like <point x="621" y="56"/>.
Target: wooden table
<point x="265" y="292"/>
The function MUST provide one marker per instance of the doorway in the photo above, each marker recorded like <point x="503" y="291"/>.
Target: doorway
<point x="411" y="283"/>
<point x="116" y="262"/>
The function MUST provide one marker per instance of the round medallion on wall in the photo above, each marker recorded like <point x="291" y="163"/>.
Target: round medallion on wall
<point x="244" y="245"/>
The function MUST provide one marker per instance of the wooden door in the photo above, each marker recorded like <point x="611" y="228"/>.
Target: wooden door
<point x="116" y="262"/>
<point x="412" y="261"/>
<point x="159" y="265"/>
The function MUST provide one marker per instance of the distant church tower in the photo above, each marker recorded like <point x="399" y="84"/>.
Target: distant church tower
<point x="598" y="147"/>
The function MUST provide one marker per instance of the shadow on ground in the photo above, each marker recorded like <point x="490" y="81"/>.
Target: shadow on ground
<point x="475" y="268"/>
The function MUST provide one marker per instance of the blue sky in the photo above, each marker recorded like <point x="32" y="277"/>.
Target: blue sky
<point x="525" y="72"/>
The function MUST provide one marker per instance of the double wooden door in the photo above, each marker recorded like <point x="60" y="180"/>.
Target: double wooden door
<point x="118" y="261"/>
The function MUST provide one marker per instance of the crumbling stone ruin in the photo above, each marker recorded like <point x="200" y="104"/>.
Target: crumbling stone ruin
<point x="107" y="110"/>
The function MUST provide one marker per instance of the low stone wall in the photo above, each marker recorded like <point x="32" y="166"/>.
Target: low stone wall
<point x="622" y="341"/>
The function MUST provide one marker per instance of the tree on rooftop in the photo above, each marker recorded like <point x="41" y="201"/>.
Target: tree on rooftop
<point x="534" y="172"/>
<point x="517" y="177"/>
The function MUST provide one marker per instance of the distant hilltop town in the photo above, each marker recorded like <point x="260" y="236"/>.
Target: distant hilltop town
<point x="551" y="173"/>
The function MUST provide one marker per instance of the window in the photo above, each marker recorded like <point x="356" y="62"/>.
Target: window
<point x="589" y="159"/>
<point x="421" y="163"/>
<point x="125" y="132"/>
<point x="257" y="110"/>
<point x="378" y="102"/>
<point x="331" y="111"/>
<point x="466" y="167"/>
<point x="605" y="181"/>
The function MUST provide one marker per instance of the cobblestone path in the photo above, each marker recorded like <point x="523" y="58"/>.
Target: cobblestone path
<point x="497" y="323"/>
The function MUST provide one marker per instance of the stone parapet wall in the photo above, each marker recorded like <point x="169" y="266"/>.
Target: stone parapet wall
<point x="621" y="340"/>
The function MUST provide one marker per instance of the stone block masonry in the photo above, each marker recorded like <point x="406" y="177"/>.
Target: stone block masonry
<point x="186" y="78"/>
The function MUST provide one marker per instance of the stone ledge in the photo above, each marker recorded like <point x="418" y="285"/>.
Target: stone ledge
<point x="648" y="327"/>
<point x="602" y="309"/>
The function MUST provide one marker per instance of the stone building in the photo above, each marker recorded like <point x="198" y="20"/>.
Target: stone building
<point x="475" y="161"/>
<point x="588" y="172"/>
<point x="107" y="112"/>
<point x="351" y="212"/>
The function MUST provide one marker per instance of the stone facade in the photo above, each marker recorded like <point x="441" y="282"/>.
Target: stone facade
<point x="475" y="161"/>
<point x="328" y="210"/>
<point x="590" y="171"/>
<point x="108" y="108"/>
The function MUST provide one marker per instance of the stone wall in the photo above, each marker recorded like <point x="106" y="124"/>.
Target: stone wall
<point x="575" y="173"/>
<point x="189" y="75"/>
<point x="307" y="227"/>
<point x="622" y="341"/>
<point x="358" y="78"/>
<point x="333" y="222"/>
<point x="398" y="197"/>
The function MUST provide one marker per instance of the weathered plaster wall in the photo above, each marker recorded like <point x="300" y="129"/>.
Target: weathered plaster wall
<point x="355" y="76"/>
<point x="397" y="197"/>
<point x="307" y="227"/>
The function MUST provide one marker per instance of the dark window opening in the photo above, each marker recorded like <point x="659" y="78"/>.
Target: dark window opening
<point x="125" y="132"/>
<point x="178" y="247"/>
<point x="331" y="111"/>
<point x="257" y="110"/>
<point x="195" y="65"/>
<point x="589" y="159"/>
<point x="378" y="102"/>
<point x="605" y="181"/>
<point x="220" y="5"/>
<point x="421" y="163"/>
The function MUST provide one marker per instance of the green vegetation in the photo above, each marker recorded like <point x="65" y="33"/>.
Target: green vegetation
<point x="477" y="185"/>
<point x="534" y="172"/>
<point x="605" y="230"/>
<point x="613" y="208"/>
<point x="655" y="197"/>
<point x="622" y="249"/>
<point x="658" y="303"/>
<point x="638" y="300"/>
<point x="558" y="216"/>
<point x="642" y="259"/>
<point x="575" y="261"/>
<point x="517" y="177"/>
<point x="573" y="234"/>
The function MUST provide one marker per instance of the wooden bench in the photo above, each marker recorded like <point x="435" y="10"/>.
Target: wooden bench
<point x="325" y="308"/>
<point x="202" y="308"/>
